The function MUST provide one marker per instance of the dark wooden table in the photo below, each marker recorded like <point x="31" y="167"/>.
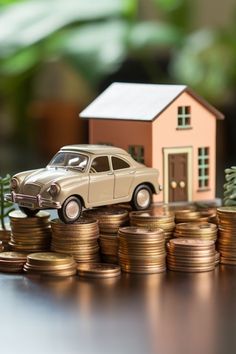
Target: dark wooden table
<point x="169" y="313"/>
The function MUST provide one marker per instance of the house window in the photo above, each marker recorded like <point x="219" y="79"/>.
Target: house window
<point x="184" y="117"/>
<point x="137" y="152"/>
<point x="203" y="167"/>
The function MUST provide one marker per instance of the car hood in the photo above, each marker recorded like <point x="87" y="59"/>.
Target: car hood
<point x="50" y="174"/>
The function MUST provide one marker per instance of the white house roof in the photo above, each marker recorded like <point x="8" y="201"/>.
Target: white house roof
<point x="128" y="101"/>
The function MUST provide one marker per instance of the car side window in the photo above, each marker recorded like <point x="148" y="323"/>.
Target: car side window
<point x="100" y="164"/>
<point x="118" y="163"/>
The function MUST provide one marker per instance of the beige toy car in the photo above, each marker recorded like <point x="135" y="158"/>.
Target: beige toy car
<point x="84" y="176"/>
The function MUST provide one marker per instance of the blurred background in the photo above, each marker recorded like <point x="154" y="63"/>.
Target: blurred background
<point x="56" y="56"/>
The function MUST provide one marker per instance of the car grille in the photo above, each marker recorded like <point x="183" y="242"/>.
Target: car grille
<point x="31" y="189"/>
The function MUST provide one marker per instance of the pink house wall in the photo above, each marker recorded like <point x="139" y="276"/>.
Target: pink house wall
<point x="162" y="133"/>
<point x="122" y="134"/>
<point x="202" y="134"/>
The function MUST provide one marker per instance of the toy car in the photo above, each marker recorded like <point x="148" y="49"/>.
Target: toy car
<point x="84" y="176"/>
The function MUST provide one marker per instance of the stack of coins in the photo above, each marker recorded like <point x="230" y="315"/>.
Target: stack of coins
<point x="109" y="247"/>
<point x="204" y="231"/>
<point x="98" y="270"/>
<point x="109" y="219"/>
<point x="154" y="219"/>
<point x="30" y="234"/>
<point x="49" y="263"/>
<point x="79" y="239"/>
<point x="226" y="242"/>
<point x="187" y="215"/>
<point x="12" y="262"/>
<point x="141" y="250"/>
<point x="191" y="255"/>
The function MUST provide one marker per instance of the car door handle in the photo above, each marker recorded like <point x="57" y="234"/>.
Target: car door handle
<point x="131" y="172"/>
<point x="110" y="173"/>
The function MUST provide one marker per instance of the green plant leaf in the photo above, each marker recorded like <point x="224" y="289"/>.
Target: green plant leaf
<point x="28" y="22"/>
<point x="168" y="5"/>
<point x="6" y="179"/>
<point x="155" y="35"/>
<point x="203" y="63"/>
<point x="20" y="62"/>
<point x="96" y="49"/>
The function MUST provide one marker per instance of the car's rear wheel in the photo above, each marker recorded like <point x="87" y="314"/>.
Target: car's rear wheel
<point x="71" y="210"/>
<point x="142" y="197"/>
<point x="29" y="212"/>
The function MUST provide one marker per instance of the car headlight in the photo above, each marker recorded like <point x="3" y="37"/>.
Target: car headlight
<point x="14" y="184"/>
<point x="54" y="189"/>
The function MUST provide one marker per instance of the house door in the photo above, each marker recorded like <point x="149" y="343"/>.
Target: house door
<point x="178" y="177"/>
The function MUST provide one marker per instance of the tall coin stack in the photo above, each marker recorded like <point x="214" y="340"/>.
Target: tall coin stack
<point x="109" y="220"/>
<point x="191" y="255"/>
<point x="204" y="231"/>
<point x="141" y="250"/>
<point x="154" y="219"/>
<point x="79" y="239"/>
<point x="29" y="234"/>
<point x="227" y="234"/>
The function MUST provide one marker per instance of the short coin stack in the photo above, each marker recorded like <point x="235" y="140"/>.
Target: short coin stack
<point x="227" y="234"/>
<point x="191" y="255"/>
<point x="109" y="221"/>
<point x="141" y="250"/>
<point x="98" y="270"/>
<point x="12" y="262"/>
<point x="51" y="264"/>
<point x="187" y="215"/>
<point x="79" y="239"/>
<point x="30" y="234"/>
<point x="154" y="219"/>
<point x="204" y="231"/>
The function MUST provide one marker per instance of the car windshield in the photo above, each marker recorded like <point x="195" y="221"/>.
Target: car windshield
<point x="69" y="159"/>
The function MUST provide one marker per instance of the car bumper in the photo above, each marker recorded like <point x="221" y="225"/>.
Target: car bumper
<point x="32" y="202"/>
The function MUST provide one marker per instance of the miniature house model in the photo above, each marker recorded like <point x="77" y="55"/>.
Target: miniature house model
<point x="167" y="127"/>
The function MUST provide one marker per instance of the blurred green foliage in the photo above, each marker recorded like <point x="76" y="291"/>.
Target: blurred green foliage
<point x="97" y="36"/>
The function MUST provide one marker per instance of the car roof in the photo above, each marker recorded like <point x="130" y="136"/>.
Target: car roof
<point x="94" y="149"/>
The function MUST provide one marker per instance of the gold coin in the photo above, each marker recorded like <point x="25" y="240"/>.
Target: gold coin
<point x="49" y="258"/>
<point x="98" y="269"/>
<point x="191" y="269"/>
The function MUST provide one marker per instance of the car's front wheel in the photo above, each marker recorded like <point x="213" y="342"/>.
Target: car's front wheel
<point x="142" y="197"/>
<point x="71" y="210"/>
<point x="29" y="212"/>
